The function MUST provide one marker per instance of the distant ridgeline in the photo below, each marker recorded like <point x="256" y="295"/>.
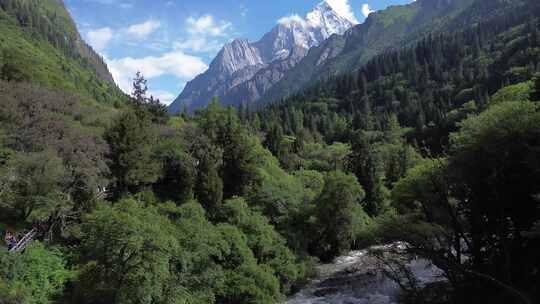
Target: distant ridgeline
<point x="39" y="43"/>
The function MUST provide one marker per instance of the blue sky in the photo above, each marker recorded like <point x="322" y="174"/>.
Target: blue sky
<point x="172" y="41"/>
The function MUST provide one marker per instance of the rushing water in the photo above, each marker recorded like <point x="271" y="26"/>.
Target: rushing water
<point x="358" y="279"/>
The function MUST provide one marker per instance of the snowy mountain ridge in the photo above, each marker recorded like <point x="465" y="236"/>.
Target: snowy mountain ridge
<point x="243" y="71"/>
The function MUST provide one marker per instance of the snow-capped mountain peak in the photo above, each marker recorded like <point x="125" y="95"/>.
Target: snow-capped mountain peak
<point x="278" y="51"/>
<point x="295" y="31"/>
<point x="328" y="20"/>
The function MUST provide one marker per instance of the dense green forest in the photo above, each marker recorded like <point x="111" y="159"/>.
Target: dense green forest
<point x="436" y="144"/>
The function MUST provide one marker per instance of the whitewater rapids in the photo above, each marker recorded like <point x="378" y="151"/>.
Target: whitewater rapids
<point x="357" y="279"/>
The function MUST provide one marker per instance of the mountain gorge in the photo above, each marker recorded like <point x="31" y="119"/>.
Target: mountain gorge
<point x="243" y="71"/>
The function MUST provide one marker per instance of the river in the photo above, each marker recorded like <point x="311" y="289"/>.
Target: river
<point x="357" y="279"/>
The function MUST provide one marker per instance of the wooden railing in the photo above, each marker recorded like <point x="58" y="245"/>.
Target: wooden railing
<point x="27" y="238"/>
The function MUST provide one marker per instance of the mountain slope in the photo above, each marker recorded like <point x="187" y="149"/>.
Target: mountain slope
<point x="40" y="44"/>
<point x="427" y="86"/>
<point x="243" y="71"/>
<point x="391" y="28"/>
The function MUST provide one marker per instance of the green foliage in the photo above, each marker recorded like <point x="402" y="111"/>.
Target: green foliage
<point x="419" y="184"/>
<point x="268" y="246"/>
<point x="337" y="215"/>
<point x="39" y="43"/>
<point x="35" y="183"/>
<point x="425" y="190"/>
<point x="35" y="277"/>
<point x="14" y="66"/>
<point x="312" y="182"/>
<point x="251" y="285"/>
<point x="127" y="250"/>
<point x="479" y="134"/>
<point x="60" y="125"/>
<point x="245" y="281"/>
<point x="131" y="140"/>
<point x="326" y="157"/>
<point x="397" y="160"/>
<point x="217" y="261"/>
<point x="517" y="92"/>
<point x="274" y="141"/>
<point x="198" y="274"/>
<point x="179" y="173"/>
<point x="223" y="128"/>
<point x="277" y="194"/>
<point x="171" y="254"/>
<point x="397" y="14"/>
<point x="139" y="89"/>
<point x="495" y="155"/>
<point x="366" y="164"/>
<point x="480" y="202"/>
<point x="209" y="186"/>
<point x="147" y="106"/>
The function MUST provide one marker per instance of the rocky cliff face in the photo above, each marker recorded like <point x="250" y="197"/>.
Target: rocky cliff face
<point x="242" y="72"/>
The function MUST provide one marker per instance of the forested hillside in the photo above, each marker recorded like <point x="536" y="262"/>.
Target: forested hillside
<point x="390" y="29"/>
<point x="424" y="87"/>
<point x="39" y="43"/>
<point x="436" y="145"/>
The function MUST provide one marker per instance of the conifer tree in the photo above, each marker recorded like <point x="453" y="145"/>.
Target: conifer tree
<point x="139" y="89"/>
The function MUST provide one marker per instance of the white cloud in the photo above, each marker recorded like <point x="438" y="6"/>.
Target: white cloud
<point x="174" y="63"/>
<point x="198" y="45"/>
<point x="243" y="10"/>
<point x="100" y="38"/>
<point x="206" y="25"/>
<point x="170" y="57"/>
<point x="343" y="8"/>
<point x="205" y="35"/>
<point x="292" y="19"/>
<point x="366" y="10"/>
<point x="165" y="97"/>
<point x="144" y="29"/>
